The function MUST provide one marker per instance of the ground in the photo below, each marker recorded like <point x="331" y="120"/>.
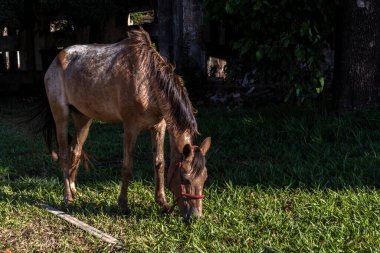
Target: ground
<point x="280" y="180"/>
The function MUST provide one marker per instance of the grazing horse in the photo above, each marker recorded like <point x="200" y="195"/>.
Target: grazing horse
<point x="127" y="82"/>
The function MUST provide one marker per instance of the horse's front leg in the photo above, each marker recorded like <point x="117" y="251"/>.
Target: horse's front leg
<point x="158" y="136"/>
<point x="129" y="143"/>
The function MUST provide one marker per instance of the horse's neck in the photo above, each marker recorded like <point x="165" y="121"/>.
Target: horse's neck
<point x="177" y="142"/>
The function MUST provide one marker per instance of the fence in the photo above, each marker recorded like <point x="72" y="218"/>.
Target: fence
<point x="10" y="51"/>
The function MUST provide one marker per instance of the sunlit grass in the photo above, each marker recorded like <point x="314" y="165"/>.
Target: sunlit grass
<point x="280" y="180"/>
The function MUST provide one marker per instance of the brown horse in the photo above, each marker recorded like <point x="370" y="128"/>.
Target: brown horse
<point x="127" y="82"/>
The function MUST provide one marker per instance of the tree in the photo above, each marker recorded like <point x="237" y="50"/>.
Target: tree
<point x="180" y="31"/>
<point x="165" y="30"/>
<point x="357" y="60"/>
<point x="282" y="41"/>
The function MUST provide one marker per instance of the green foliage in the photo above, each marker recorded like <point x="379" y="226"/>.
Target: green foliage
<point x="283" y="40"/>
<point x="142" y="17"/>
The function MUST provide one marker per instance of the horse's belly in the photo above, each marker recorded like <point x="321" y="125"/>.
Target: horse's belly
<point x="128" y="111"/>
<point x="100" y="111"/>
<point x="102" y="106"/>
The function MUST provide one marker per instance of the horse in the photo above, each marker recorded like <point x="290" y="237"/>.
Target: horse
<point x="131" y="83"/>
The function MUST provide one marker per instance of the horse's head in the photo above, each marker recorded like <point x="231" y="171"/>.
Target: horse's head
<point x="188" y="179"/>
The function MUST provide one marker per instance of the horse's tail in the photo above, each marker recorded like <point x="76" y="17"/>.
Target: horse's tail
<point x="40" y="121"/>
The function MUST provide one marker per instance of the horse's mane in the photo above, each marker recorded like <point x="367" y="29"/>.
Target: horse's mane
<point x="169" y="90"/>
<point x="199" y="162"/>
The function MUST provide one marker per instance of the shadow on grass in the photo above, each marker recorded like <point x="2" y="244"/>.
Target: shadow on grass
<point x="138" y="211"/>
<point x="274" y="147"/>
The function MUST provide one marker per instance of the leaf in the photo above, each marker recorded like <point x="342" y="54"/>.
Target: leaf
<point x="229" y="8"/>
<point x="322" y="83"/>
<point x="285" y="40"/>
<point x="299" y="53"/>
<point x="259" y="55"/>
<point x="289" y="95"/>
<point x="298" y="91"/>
<point x="245" y="46"/>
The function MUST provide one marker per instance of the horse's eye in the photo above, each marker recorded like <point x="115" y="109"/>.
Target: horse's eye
<point x="186" y="178"/>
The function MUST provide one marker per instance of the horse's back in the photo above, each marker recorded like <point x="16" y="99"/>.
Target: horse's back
<point x="101" y="82"/>
<point x="88" y="77"/>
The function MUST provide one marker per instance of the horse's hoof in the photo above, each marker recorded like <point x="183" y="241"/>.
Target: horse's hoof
<point x="123" y="207"/>
<point x="75" y="193"/>
<point x="163" y="203"/>
<point x="72" y="188"/>
<point x="124" y="210"/>
<point x="69" y="202"/>
<point x="167" y="209"/>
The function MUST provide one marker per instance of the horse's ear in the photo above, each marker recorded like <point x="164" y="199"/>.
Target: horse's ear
<point x="187" y="151"/>
<point x="205" y="146"/>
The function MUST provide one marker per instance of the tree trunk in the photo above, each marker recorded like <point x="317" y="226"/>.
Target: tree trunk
<point x="29" y="23"/>
<point x="357" y="59"/>
<point x="165" y="35"/>
<point x="193" y="35"/>
<point x="178" y="35"/>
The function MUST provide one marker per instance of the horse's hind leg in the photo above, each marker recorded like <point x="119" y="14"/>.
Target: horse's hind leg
<point x="158" y="135"/>
<point x="129" y="143"/>
<point x="61" y="118"/>
<point x="82" y="125"/>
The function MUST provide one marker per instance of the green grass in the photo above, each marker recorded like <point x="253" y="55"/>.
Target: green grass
<point x="280" y="180"/>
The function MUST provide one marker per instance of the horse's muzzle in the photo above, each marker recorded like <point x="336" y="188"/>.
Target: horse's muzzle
<point x="190" y="213"/>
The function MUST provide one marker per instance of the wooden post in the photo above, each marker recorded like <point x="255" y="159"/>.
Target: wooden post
<point x="193" y="35"/>
<point x="357" y="60"/>
<point x="178" y="35"/>
<point x="95" y="232"/>
<point x="165" y="31"/>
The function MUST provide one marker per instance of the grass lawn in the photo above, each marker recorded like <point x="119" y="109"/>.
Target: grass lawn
<point x="280" y="180"/>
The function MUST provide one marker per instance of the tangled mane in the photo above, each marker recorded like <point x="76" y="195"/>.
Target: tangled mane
<point x="168" y="88"/>
<point x="198" y="163"/>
